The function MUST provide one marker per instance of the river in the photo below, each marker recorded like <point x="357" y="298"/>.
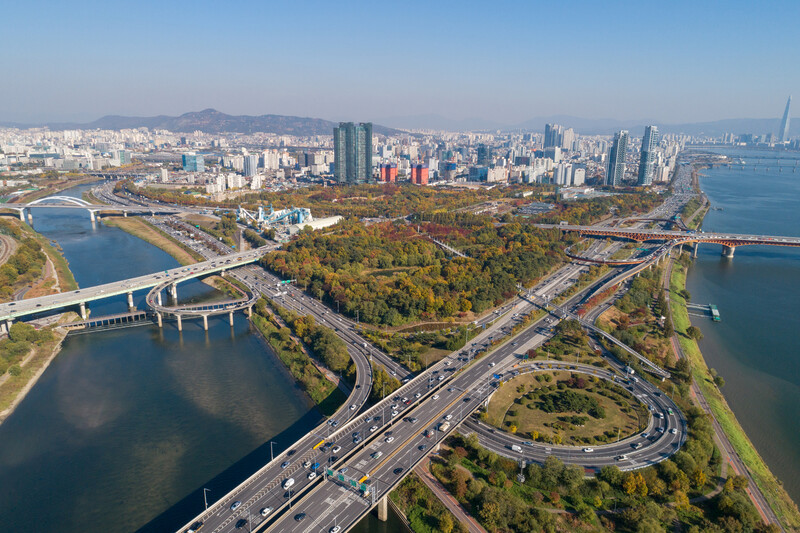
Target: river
<point x="125" y="428"/>
<point x="754" y="347"/>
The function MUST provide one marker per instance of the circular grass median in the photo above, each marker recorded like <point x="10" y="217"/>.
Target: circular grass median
<point x="568" y="408"/>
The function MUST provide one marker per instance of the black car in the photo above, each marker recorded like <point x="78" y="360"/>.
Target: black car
<point x="300" y="517"/>
<point x="398" y="471"/>
<point x="290" y="453"/>
<point x="241" y="523"/>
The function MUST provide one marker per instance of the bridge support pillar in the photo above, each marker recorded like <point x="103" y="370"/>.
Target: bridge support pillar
<point x="205" y="322"/>
<point x="125" y="214"/>
<point x="694" y="251"/>
<point x="130" y="300"/>
<point x="83" y="310"/>
<point x="30" y="216"/>
<point x="8" y="326"/>
<point x="158" y="298"/>
<point x="249" y="311"/>
<point x="22" y="215"/>
<point x="222" y="273"/>
<point x="383" y="509"/>
<point x="180" y="324"/>
<point x="230" y="318"/>
<point x="727" y="251"/>
<point x="160" y="321"/>
<point x="173" y="291"/>
<point x="92" y="216"/>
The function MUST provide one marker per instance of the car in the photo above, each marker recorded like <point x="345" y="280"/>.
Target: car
<point x="241" y="523"/>
<point x="417" y="395"/>
<point x="353" y="407"/>
<point x="645" y="435"/>
<point x="636" y="445"/>
<point x="286" y="484"/>
<point x="335" y="423"/>
<point x="450" y="389"/>
<point x="299" y="517"/>
<point x="265" y="511"/>
<point x="423" y="447"/>
<point x="660" y="430"/>
<point x="333" y="458"/>
<point x="528" y="443"/>
<point x="377" y="455"/>
<point x="376" y="418"/>
<point x="306" y="464"/>
<point x="336" y="449"/>
<point x="194" y="528"/>
<point x="491" y="364"/>
<point x="367" y="419"/>
<point x="406" y="380"/>
<point x="404" y="400"/>
<point x="435" y="397"/>
<point x="284" y="464"/>
<point x="395" y="413"/>
<point x="311" y="475"/>
<point x="673" y="431"/>
<point x="388" y="439"/>
<point x="235" y="505"/>
<point x="335" y="529"/>
<point x="397" y="471"/>
<point x="356" y="440"/>
<point x="314" y="466"/>
<point x="290" y="453"/>
<point x="588" y="450"/>
<point x="344" y="470"/>
<point x="372" y="429"/>
<point x="412" y="420"/>
<point x="448" y="417"/>
<point x="394" y="406"/>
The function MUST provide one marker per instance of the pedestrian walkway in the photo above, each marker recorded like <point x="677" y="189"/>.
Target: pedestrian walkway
<point x="424" y="473"/>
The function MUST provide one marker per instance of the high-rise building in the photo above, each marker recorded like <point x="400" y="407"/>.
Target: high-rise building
<point x="783" y="135"/>
<point x="388" y="173"/>
<point x="484" y="155"/>
<point x="250" y="165"/>
<point x="352" y="146"/>
<point x="553" y="135"/>
<point x="616" y="159"/>
<point x="649" y="144"/>
<point x="419" y="174"/>
<point x="193" y="163"/>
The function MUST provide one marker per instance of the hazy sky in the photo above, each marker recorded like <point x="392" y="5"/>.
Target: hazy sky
<point x="670" y="61"/>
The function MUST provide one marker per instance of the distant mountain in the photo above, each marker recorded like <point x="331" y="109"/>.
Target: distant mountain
<point x="213" y="121"/>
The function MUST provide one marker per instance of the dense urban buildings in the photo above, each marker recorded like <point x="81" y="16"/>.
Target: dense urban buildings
<point x="352" y="146"/>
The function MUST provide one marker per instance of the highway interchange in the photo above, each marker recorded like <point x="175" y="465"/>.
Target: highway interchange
<point x="388" y="444"/>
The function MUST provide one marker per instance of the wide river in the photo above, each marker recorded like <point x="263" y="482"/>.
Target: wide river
<point x="125" y="428"/>
<point x="755" y="346"/>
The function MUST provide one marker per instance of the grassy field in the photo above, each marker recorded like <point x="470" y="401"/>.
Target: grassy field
<point x="620" y="414"/>
<point x="778" y="498"/>
<point x="149" y="233"/>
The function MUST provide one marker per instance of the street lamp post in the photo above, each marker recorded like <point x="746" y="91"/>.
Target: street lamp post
<point x="205" y="500"/>
<point x="271" y="455"/>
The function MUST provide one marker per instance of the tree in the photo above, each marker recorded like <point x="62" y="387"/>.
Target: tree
<point x="445" y="523"/>
<point x="629" y="484"/>
<point x="698" y="478"/>
<point x="693" y="332"/>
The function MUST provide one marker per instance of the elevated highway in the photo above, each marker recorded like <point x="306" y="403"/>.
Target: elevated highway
<point x="79" y="298"/>
<point x="729" y="241"/>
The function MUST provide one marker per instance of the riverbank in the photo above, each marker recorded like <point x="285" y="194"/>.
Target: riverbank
<point x="54" y="187"/>
<point x="151" y="234"/>
<point x="15" y="386"/>
<point x="778" y="499"/>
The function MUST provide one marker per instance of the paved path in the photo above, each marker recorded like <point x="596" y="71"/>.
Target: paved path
<point x="7" y="247"/>
<point x="424" y="473"/>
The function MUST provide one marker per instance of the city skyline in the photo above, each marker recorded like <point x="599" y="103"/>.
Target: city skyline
<point x="468" y="60"/>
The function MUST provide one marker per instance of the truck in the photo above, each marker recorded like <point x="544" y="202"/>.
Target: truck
<point x="515" y="448"/>
<point x="444" y="426"/>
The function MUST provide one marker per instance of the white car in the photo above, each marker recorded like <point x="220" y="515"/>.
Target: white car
<point x="448" y="417"/>
<point x="388" y="439"/>
<point x="394" y="406"/>
<point x="353" y="407"/>
<point x="435" y="397"/>
<point x="312" y="475"/>
<point x="440" y="378"/>
<point x="265" y="511"/>
<point x="673" y="431"/>
<point x="336" y="449"/>
<point x="335" y="529"/>
<point x="372" y="429"/>
<point x="417" y="395"/>
<point x="395" y="413"/>
<point x="306" y="464"/>
<point x="588" y="450"/>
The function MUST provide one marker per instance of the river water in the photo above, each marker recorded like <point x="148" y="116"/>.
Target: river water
<point x="755" y="346"/>
<point x="125" y="428"/>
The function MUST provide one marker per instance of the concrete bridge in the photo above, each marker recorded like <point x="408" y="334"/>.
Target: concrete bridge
<point x="80" y="298"/>
<point x="70" y="202"/>
<point x="729" y="241"/>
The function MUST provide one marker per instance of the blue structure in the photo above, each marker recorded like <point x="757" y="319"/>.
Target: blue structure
<point x="193" y="163"/>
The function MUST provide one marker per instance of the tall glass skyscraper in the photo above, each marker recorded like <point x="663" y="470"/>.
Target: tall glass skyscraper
<point x="193" y="163"/>
<point x="352" y="149"/>
<point x="783" y="135"/>
<point x="616" y="159"/>
<point x="649" y="143"/>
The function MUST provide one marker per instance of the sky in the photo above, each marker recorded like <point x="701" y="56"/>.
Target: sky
<point x="502" y="61"/>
